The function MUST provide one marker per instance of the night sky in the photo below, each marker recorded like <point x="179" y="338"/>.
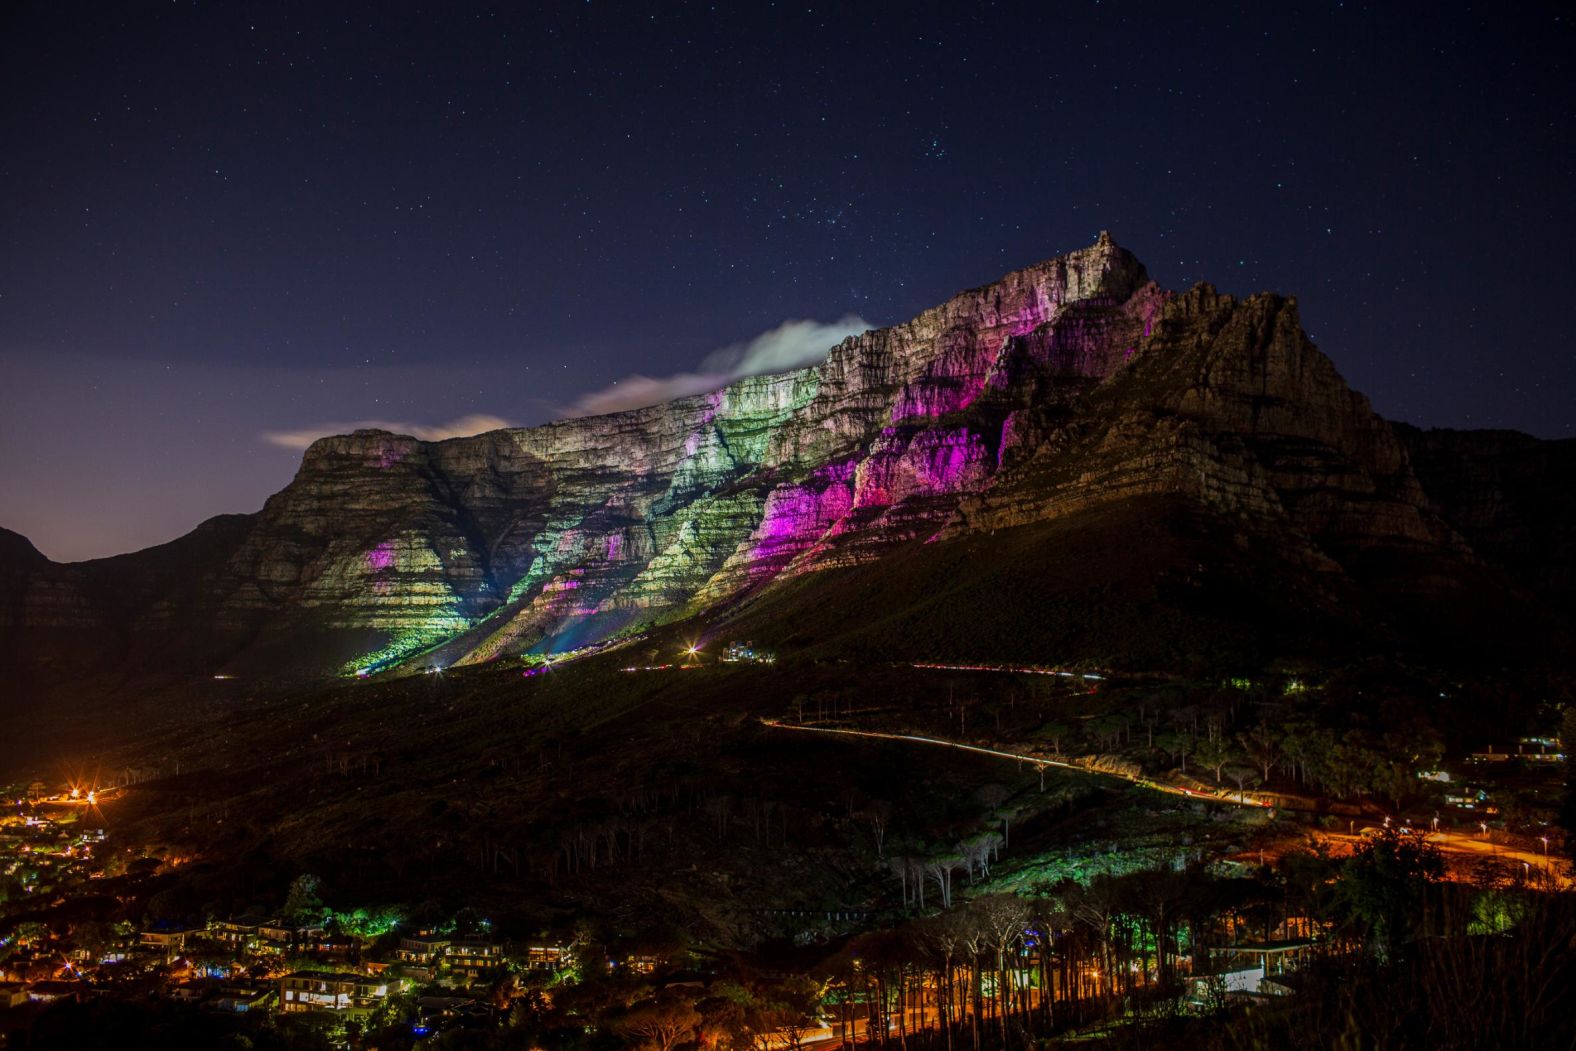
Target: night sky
<point x="225" y="230"/>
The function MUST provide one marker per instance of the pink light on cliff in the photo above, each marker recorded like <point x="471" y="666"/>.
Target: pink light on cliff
<point x="1031" y="320"/>
<point x="381" y="558"/>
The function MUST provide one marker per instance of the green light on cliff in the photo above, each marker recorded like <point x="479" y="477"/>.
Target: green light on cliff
<point x="406" y="642"/>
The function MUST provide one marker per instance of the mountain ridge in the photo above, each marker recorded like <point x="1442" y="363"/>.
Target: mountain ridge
<point x="1065" y="386"/>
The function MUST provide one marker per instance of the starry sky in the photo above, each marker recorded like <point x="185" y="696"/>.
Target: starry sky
<point x="229" y="227"/>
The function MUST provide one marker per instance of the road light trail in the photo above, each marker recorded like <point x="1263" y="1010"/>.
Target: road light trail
<point x="1449" y="843"/>
<point x="1038" y="761"/>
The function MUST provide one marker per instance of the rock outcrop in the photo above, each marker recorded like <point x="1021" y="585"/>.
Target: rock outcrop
<point x="1059" y="387"/>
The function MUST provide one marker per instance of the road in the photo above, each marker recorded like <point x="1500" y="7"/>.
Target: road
<point x="1449" y="843"/>
<point x="1039" y="761"/>
<point x="1539" y="866"/>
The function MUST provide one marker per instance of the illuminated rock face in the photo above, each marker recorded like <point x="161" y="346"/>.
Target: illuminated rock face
<point x="558" y="535"/>
<point x="1061" y="386"/>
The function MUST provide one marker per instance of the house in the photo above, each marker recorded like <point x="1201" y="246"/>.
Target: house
<point x="641" y="962"/>
<point x="473" y="957"/>
<point x="171" y="941"/>
<point x="191" y="992"/>
<point x="547" y="957"/>
<point x="239" y="933"/>
<point x="424" y="948"/>
<point x="438" y="1012"/>
<point x="280" y="936"/>
<point x="50" y="990"/>
<point x="239" y="999"/>
<point x="747" y="653"/>
<point x="340" y="947"/>
<point x="329" y="991"/>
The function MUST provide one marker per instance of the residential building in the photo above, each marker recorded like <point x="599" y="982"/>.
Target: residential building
<point x="546" y="957"/>
<point x="329" y="991"/>
<point x="240" y="932"/>
<point x="424" y="948"/>
<point x="281" y="936"/>
<point x="239" y="999"/>
<point x="169" y="940"/>
<point x="473" y="957"/>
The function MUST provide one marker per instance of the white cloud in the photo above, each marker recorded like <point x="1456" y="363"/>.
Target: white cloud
<point x="463" y="427"/>
<point x="791" y="345"/>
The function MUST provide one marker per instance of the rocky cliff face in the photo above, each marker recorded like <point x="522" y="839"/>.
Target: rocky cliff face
<point x="1062" y="386"/>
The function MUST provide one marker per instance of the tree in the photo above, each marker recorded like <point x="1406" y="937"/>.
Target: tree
<point x="1177" y="746"/>
<point x="302" y="905"/>
<point x="1052" y="733"/>
<point x="879" y="813"/>
<point x="1243" y="776"/>
<point x="993" y="796"/>
<point x="1213" y="753"/>
<point x="1381" y="887"/>
<point x="1351" y="766"/>
<point x="1262" y="747"/>
<point x="1568" y="807"/>
<point x="1394" y="780"/>
<point x="1002" y="919"/>
<point x="661" y="1023"/>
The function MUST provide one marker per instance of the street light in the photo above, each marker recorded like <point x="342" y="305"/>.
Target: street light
<point x="1545" y="840"/>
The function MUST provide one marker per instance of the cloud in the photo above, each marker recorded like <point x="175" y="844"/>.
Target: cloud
<point x="463" y="427"/>
<point x="791" y="345"/>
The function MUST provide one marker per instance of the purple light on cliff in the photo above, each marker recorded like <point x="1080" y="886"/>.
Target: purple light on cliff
<point x="796" y="516"/>
<point x="381" y="557"/>
<point x="932" y="399"/>
<point x="389" y="454"/>
<point x="947" y="465"/>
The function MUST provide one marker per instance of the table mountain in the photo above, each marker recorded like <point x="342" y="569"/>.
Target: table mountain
<point x="1063" y="388"/>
